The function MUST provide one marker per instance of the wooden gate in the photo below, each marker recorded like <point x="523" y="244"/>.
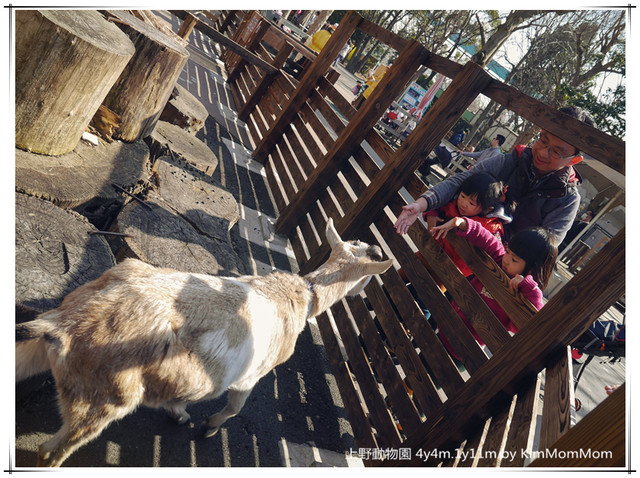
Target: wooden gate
<point x="400" y="387"/>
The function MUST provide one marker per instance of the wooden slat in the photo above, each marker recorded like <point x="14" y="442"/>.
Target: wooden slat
<point x="473" y="447"/>
<point x="416" y="375"/>
<point x="317" y="101"/>
<point x="275" y="186"/>
<point x="444" y="66"/>
<point x="356" y="130"/>
<point x="493" y="444"/>
<point x="219" y="37"/>
<point x="380" y="146"/>
<point x="309" y="116"/>
<point x="309" y="81"/>
<point x="343" y="105"/>
<point x="521" y="430"/>
<point x="517" y="307"/>
<point x="450" y="324"/>
<point x="398" y="397"/>
<point x="378" y="411"/>
<point x="444" y="371"/>
<point x="385" y="36"/>
<point x="606" y="149"/>
<point x="601" y="430"/>
<point x="602" y="280"/>
<point x="476" y="310"/>
<point x="357" y="417"/>
<point x="556" y="406"/>
<point x="433" y="126"/>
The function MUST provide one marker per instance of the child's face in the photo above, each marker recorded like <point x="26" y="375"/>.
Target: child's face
<point x="468" y="205"/>
<point x="512" y="264"/>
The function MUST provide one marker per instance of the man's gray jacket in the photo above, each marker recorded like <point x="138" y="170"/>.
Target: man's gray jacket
<point x="550" y="201"/>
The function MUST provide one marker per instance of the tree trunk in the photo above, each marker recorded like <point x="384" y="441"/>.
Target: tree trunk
<point x="319" y="21"/>
<point x="143" y="89"/>
<point x="66" y="63"/>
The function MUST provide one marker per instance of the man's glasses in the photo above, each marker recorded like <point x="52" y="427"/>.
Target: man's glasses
<point x="543" y="143"/>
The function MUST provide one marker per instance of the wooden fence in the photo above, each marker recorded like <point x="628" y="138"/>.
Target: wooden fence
<point x="398" y="383"/>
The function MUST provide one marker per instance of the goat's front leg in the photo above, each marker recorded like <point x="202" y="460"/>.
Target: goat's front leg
<point x="235" y="401"/>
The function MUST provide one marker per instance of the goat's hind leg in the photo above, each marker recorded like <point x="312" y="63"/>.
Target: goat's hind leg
<point x="235" y="401"/>
<point x="79" y="428"/>
<point x="177" y="411"/>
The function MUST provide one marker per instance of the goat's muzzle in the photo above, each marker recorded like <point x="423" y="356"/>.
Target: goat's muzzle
<point x="374" y="253"/>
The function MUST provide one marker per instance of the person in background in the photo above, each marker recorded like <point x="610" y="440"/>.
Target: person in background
<point x="458" y="138"/>
<point x="489" y="152"/>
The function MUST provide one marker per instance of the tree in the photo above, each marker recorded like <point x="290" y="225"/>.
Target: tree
<point x="608" y="111"/>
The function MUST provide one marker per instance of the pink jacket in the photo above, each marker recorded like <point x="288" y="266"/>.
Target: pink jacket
<point x="479" y="236"/>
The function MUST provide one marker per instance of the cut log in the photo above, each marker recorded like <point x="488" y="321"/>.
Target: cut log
<point x="167" y="138"/>
<point x="164" y="26"/>
<point x="144" y="87"/>
<point x="66" y="63"/>
<point x="210" y="209"/>
<point x="82" y="178"/>
<point x="165" y="239"/>
<point x="184" y="110"/>
<point x="54" y="253"/>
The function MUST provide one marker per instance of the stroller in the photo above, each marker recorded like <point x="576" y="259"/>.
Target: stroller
<point x="606" y="339"/>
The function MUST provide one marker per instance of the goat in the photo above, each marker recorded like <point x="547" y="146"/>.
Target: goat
<point x="143" y="335"/>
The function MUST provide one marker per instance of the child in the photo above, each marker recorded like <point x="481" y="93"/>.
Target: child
<point x="480" y="197"/>
<point x="528" y="260"/>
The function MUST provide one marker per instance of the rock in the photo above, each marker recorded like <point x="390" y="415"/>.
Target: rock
<point x="82" y="178"/>
<point x="54" y="253"/>
<point x="184" y="110"/>
<point x="193" y="195"/>
<point x="165" y="239"/>
<point x="185" y="146"/>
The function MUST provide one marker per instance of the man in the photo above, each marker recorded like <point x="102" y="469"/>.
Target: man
<point x="458" y="138"/>
<point x="489" y="152"/>
<point x="540" y="179"/>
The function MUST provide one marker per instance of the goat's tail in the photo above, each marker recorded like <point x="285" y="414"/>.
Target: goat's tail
<point x="31" y="348"/>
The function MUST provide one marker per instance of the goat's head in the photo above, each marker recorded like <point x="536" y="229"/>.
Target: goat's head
<point x="356" y="260"/>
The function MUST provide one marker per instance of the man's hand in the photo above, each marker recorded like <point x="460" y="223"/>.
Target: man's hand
<point x="409" y="215"/>
<point x="515" y="281"/>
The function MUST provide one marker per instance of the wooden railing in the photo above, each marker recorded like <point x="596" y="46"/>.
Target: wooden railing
<point x="324" y="159"/>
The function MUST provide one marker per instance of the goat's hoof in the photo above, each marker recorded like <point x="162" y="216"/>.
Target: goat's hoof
<point x="209" y="432"/>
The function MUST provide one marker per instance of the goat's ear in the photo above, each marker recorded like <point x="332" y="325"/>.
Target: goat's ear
<point x="332" y="235"/>
<point x="377" y="267"/>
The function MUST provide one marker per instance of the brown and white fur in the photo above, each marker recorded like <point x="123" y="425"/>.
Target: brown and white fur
<point x="142" y="335"/>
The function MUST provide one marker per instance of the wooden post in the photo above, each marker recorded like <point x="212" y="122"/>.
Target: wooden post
<point x="251" y="46"/>
<point x="309" y="81"/>
<point x="187" y="27"/>
<point x="464" y="88"/>
<point x="144" y="87"/>
<point x="227" y="21"/>
<point x="66" y="63"/>
<point x="602" y="430"/>
<point x="264" y="84"/>
<point x="602" y="281"/>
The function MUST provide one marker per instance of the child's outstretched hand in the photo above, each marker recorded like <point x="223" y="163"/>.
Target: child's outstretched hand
<point x="441" y="231"/>
<point x="515" y="281"/>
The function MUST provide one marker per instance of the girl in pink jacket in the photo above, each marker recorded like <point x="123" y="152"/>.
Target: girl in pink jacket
<point x="528" y="260"/>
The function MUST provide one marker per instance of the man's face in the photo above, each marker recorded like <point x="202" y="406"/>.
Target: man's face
<point x="494" y="142"/>
<point x="550" y="153"/>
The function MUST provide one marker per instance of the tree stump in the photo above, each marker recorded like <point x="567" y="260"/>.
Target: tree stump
<point x="167" y="138"/>
<point x="184" y="110"/>
<point x="191" y="194"/>
<point x="83" y="178"/>
<point x="165" y="239"/>
<point x="54" y="253"/>
<point x="66" y="63"/>
<point x="143" y="89"/>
